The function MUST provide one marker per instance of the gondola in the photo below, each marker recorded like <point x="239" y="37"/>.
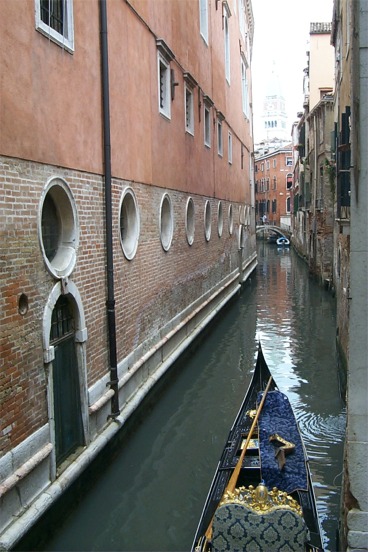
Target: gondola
<point x="261" y="497"/>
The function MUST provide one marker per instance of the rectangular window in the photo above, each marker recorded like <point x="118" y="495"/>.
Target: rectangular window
<point x="274" y="163"/>
<point x="219" y="138"/>
<point x="226" y="15"/>
<point x="203" y="19"/>
<point x="242" y="19"/>
<point x="189" y="110"/>
<point x="164" y="103"/>
<point x="245" y="92"/>
<point x="207" y="126"/>
<point x="289" y="161"/>
<point x="230" y="148"/>
<point x="54" y="19"/>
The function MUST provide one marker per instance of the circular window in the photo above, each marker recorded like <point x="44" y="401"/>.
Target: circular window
<point x="166" y="222"/>
<point x="207" y="220"/>
<point x="129" y="223"/>
<point x="220" y="219"/>
<point x="246" y="215"/>
<point x="190" y="221"/>
<point x="231" y="219"/>
<point x="58" y="228"/>
<point x="241" y="237"/>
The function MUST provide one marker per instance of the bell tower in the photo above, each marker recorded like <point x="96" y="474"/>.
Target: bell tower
<point x="274" y="112"/>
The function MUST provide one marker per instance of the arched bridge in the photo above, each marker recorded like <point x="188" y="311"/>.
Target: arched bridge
<point x="270" y="228"/>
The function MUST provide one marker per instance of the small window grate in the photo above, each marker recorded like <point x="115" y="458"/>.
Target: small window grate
<point x="62" y="322"/>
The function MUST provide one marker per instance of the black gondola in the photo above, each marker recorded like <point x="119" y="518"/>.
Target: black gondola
<point x="261" y="497"/>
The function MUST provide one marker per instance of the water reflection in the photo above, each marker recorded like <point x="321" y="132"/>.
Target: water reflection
<point x="149" y="496"/>
<point x="297" y="326"/>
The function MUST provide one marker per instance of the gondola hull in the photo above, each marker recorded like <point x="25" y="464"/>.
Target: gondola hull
<point x="279" y="462"/>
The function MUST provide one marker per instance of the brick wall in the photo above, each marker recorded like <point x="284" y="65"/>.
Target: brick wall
<point x="150" y="290"/>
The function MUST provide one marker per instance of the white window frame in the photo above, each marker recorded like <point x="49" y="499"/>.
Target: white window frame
<point x="166" y="222"/>
<point x="129" y="223"/>
<point x="203" y="19"/>
<point x="226" y="42"/>
<point x="65" y="40"/>
<point x="230" y="147"/>
<point x="189" y="109"/>
<point x="163" y="80"/>
<point x="245" y="87"/>
<point x="207" y="126"/>
<point x="164" y="56"/>
<point x="207" y="130"/>
<point x="220" y="145"/>
<point x="242" y="19"/>
<point x="288" y="204"/>
<point x="63" y="262"/>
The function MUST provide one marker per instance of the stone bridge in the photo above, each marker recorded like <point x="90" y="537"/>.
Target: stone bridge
<point x="270" y="228"/>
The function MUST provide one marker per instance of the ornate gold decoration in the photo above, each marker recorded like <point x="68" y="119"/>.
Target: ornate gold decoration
<point x="251" y="413"/>
<point x="260" y="500"/>
<point x="286" y="448"/>
<point x="287" y="445"/>
<point x="253" y="444"/>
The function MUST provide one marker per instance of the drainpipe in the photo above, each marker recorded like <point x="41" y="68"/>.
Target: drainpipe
<point x="110" y="303"/>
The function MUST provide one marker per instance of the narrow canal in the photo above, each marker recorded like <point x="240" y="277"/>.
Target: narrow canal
<point x="148" y="491"/>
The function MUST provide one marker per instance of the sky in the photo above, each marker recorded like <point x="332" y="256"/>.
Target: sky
<point x="281" y="36"/>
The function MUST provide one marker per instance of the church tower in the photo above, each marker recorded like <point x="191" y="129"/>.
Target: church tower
<point x="274" y="112"/>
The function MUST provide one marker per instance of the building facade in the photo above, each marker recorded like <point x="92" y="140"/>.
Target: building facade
<point x="313" y="186"/>
<point x="330" y="196"/>
<point x="273" y="181"/>
<point x="127" y="217"/>
<point x="313" y="190"/>
<point x="350" y="39"/>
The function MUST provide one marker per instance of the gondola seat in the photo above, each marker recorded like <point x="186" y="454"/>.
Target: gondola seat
<point x="238" y="528"/>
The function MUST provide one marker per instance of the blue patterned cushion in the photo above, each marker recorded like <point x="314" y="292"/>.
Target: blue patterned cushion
<point x="278" y="417"/>
<point x="237" y="528"/>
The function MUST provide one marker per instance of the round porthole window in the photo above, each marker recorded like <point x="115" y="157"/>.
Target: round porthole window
<point x="241" y="237"/>
<point x="231" y="219"/>
<point x="190" y="221"/>
<point x="129" y="223"/>
<point x="247" y="218"/>
<point x="166" y="222"/>
<point x="58" y="228"/>
<point x="220" y="219"/>
<point x="207" y="220"/>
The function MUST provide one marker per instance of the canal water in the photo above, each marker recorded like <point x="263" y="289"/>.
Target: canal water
<point x="148" y="491"/>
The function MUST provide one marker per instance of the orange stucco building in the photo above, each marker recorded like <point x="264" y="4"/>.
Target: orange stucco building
<point x="127" y="217"/>
<point x="273" y="181"/>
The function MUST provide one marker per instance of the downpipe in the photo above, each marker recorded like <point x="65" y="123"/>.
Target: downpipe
<point x="110" y="303"/>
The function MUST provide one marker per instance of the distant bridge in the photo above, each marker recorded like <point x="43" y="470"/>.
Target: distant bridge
<point x="270" y="228"/>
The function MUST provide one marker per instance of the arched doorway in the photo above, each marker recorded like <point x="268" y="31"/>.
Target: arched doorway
<point x="66" y="389"/>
